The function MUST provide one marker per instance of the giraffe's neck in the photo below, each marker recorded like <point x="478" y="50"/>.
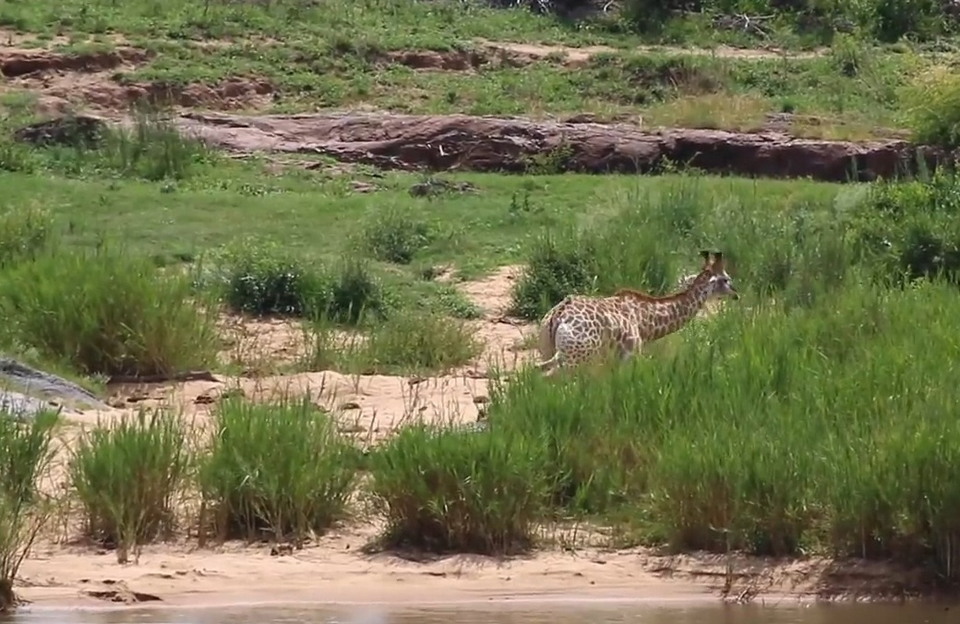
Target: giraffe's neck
<point x="661" y="318"/>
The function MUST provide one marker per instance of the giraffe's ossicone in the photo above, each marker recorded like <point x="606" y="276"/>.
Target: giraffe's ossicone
<point x="581" y="327"/>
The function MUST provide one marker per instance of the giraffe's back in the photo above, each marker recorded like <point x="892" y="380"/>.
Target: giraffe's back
<point x="579" y="326"/>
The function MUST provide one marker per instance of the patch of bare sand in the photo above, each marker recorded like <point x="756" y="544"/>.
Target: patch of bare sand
<point x="503" y="337"/>
<point x="580" y="56"/>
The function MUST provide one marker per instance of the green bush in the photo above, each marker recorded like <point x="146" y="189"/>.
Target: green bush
<point x="278" y="468"/>
<point x="106" y="312"/>
<point x="127" y="477"/>
<point x="262" y="279"/>
<point x="24" y="454"/>
<point x="418" y="342"/>
<point x="459" y="491"/>
<point x="404" y="343"/>
<point x="557" y="266"/>
<point x="356" y="293"/>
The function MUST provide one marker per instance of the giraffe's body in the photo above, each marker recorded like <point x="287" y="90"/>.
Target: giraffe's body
<point x="580" y="327"/>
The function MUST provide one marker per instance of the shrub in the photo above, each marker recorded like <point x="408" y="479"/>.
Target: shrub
<point x="106" y="312"/>
<point x="458" y="491"/>
<point x="24" y="454"/>
<point x="356" y="293"/>
<point x="392" y="236"/>
<point x="278" y="468"/>
<point x="557" y="266"/>
<point x="127" y="477"/>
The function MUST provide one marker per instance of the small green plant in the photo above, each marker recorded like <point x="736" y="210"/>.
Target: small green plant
<point x="24" y="454"/>
<point x="128" y="476"/>
<point x="393" y="236"/>
<point x="106" y="312"/>
<point x="910" y="229"/>
<point x="459" y="491"/>
<point x="276" y="469"/>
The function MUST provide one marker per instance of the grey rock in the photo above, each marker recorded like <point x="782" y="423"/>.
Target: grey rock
<point x="35" y="389"/>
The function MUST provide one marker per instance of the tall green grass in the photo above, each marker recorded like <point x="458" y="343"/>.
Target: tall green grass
<point x="24" y="454"/>
<point x="459" y="491"/>
<point x="813" y="415"/>
<point x="128" y="478"/>
<point x="106" y="312"/>
<point x="773" y="428"/>
<point x="278" y="469"/>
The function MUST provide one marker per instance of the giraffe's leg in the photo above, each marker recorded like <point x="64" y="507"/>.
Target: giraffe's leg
<point x="549" y="364"/>
<point x="629" y="347"/>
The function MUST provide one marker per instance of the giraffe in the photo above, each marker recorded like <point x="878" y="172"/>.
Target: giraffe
<point x="581" y="326"/>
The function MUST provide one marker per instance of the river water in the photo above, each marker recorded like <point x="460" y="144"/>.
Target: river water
<point x="611" y="613"/>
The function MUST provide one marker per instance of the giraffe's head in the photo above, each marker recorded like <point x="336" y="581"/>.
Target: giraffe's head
<point x="715" y="272"/>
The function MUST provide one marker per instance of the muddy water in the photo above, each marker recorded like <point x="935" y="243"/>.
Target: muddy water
<point x="513" y="614"/>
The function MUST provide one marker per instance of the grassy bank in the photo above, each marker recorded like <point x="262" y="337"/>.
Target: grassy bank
<point x="856" y="88"/>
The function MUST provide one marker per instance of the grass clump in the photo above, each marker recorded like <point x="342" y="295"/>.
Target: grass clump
<point x="106" y="312"/>
<point x="407" y="342"/>
<point x="152" y="149"/>
<point x="260" y="278"/>
<point x="263" y="279"/>
<point x="393" y="236"/>
<point x="456" y="491"/>
<point x="932" y="110"/>
<point x="25" y="231"/>
<point x="24" y="454"/>
<point x="910" y="229"/>
<point x="127" y="478"/>
<point x="276" y="469"/>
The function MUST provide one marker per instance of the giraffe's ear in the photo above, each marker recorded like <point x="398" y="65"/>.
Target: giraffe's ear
<point x="706" y="256"/>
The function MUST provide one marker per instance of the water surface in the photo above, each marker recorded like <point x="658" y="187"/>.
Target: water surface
<point x="613" y="613"/>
